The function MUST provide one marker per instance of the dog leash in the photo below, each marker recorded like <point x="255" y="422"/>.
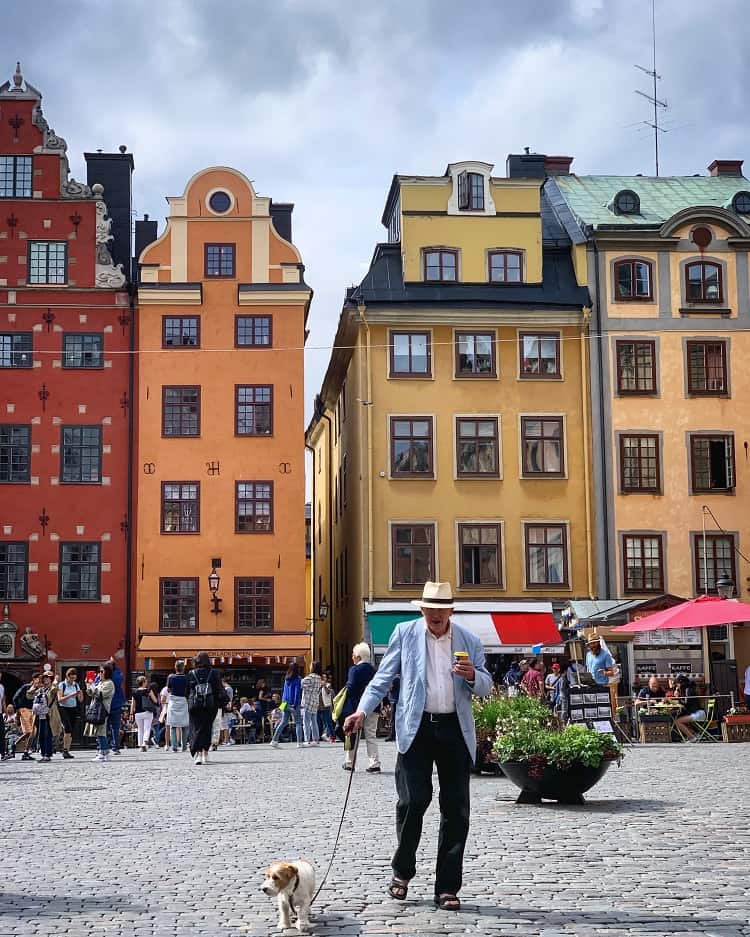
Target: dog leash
<point x="343" y="814"/>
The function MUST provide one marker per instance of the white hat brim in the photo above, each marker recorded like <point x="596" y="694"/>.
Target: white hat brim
<point x="420" y="603"/>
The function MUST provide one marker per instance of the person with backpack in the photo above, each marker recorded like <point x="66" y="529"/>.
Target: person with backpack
<point x="143" y="708"/>
<point x="205" y="695"/>
<point x="22" y="706"/>
<point x="291" y="698"/>
<point x="69" y="695"/>
<point x="118" y="702"/>
<point x="43" y="697"/>
<point x="103" y="689"/>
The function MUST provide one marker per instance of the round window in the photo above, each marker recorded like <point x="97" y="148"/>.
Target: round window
<point x="220" y="202"/>
<point x="741" y="203"/>
<point x="701" y="237"/>
<point x="627" y="202"/>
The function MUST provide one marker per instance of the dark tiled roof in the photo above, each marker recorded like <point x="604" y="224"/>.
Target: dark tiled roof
<point x="384" y="283"/>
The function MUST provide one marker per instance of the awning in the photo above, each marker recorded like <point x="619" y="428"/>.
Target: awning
<point x="502" y="627"/>
<point x="272" y="644"/>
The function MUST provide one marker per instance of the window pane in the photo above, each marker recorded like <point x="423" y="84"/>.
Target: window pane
<point x="16" y="350"/>
<point x="419" y="354"/>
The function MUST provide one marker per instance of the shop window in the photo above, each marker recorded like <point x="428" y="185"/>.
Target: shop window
<point x="643" y="557"/>
<point x="639" y="463"/>
<point x="712" y="463"/>
<point x="636" y="367"/>
<point x="412" y="554"/>
<point x="480" y="549"/>
<point x="178" y="604"/>
<point x="253" y="603"/>
<point x="80" y="572"/>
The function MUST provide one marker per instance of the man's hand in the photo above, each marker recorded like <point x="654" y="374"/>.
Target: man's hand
<point x="466" y="670"/>
<point x="354" y="723"/>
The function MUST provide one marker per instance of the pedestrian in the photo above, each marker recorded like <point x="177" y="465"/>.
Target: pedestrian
<point x="513" y="677"/>
<point x="360" y="674"/>
<point x="291" y="698"/>
<point x="12" y="731"/>
<point x="118" y="702"/>
<point x="42" y="699"/>
<point x="532" y="684"/>
<point x="441" y="665"/>
<point x="69" y="697"/>
<point x="22" y="704"/>
<point x="601" y="665"/>
<point x="550" y="682"/>
<point x="205" y="696"/>
<point x="103" y="689"/>
<point x="692" y="709"/>
<point x="3" y="749"/>
<point x="393" y="692"/>
<point x="325" y="720"/>
<point x="746" y="687"/>
<point x="311" y="686"/>
<point x="143" y="707"/>
<point x="178" y="719"/>
<point x="227" y="718"/>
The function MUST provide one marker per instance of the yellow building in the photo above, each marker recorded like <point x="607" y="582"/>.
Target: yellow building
<point x="667" y="267"/>
<point x="451" y="432"/>
<point x="220" y="450"/>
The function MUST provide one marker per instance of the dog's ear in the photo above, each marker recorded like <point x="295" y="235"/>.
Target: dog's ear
<point x="286" y="871"/>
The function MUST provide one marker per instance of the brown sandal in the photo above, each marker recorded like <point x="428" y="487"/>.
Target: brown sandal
<point x="398" y="889"/>
<point x="447" y="902"/>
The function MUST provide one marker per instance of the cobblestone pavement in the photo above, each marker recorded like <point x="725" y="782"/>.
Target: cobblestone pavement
<point x="150" y="846"/>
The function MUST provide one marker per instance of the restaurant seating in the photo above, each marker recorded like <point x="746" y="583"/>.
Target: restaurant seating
<point x="704" y="726"/>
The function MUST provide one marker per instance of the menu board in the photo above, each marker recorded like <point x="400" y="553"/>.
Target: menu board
<point x="691" y="636"/>
<point x="680" y="666"/>
<point x="669" y="637"/>
<point x="644" y="668"/>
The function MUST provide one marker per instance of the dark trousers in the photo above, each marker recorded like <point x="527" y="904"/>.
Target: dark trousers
<point x="2" y="736"/>
<point x="438" y="743"/>
<point x="45" y="738"/>
<point x="113" y="728"/>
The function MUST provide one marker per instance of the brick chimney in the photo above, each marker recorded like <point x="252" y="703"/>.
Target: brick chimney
<point x="557" y="165"/>
<point x="726" y="167"/>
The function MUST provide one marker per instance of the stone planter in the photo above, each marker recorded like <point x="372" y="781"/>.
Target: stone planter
<point x="566" y="787"/>
<point x="486" y="762"/>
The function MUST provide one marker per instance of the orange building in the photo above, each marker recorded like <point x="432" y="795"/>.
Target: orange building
<point x="220" y="543"/>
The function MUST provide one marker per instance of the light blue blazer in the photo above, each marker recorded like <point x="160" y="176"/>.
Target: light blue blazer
<point x="406" y="657"/>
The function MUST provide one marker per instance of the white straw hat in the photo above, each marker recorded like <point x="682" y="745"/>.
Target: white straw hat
<point x="435" y="595"/>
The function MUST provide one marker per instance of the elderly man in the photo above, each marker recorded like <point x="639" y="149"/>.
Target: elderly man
<point x="652" y="691"/>
<point x="440" y="665"/>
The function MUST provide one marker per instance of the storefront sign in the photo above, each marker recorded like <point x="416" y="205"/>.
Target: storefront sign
<point x="681" y="667"/>
<point x="644" y="668"/>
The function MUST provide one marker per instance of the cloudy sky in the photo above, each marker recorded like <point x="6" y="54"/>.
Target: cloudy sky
<point x="319" y="102"/>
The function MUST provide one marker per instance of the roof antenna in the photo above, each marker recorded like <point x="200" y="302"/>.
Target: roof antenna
<point x="652" y="98"/>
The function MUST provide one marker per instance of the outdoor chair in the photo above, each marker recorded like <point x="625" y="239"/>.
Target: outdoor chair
<point x="703" y="728"/>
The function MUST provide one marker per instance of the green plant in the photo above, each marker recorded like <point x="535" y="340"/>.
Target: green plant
<point x="498" y="713"/>
<point x="739" y="710"/>
<point x="541" y="746"/>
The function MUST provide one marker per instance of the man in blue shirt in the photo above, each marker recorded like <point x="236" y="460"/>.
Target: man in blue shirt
<point x="599" y="662"/>
<point x="116" y="706"/>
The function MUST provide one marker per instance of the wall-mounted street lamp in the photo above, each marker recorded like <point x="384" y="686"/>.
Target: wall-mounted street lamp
<point x="323" y="609"/>
<point x="725" y="587"/>
<point x="213" y="585"/>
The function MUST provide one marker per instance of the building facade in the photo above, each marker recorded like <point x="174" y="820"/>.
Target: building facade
<point x="65" y="329"/>
<point x="451" y="435"/>
<point x="667" y="267"/>
<point x="220" y="450"/>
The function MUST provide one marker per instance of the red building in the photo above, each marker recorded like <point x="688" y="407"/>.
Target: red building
<point x="65" y="390"/>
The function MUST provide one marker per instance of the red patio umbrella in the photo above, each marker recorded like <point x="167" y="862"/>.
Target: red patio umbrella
<point x="701" y="612"/>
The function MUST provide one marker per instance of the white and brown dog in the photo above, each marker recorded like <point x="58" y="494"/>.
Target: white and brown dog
<point x="293" y="883"/>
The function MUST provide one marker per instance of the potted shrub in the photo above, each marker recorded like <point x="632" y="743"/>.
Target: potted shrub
<point x="736" y="725"/>
<point x="554" y="764"/>
<point x="495" y="714"/>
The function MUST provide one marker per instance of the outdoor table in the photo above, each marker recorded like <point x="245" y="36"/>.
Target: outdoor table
<point x="656" y="722"/>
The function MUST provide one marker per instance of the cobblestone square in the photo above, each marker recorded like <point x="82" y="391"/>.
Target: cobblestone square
<point x="149" y="846"/>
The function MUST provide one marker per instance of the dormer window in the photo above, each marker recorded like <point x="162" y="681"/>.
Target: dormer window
<point x="741" y="203"/>
<point x="506" y="266"/>
<point x="441" y="266"/>
<point x="471" y="191"/>
<point x="626" y="202"/>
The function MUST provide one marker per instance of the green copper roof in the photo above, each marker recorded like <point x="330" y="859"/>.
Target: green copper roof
<point x="660" y="197"/>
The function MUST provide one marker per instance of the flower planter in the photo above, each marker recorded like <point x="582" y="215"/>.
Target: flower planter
<point x="566" y="787"/>
<point x="736" y="728"/>
<point x="486" y="760"/>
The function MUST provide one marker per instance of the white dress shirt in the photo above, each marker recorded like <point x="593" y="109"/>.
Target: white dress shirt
<point x="440" y="694"/>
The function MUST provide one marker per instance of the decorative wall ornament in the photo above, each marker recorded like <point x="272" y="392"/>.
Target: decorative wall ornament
<point x="108" y="274"/>
<point x="32" y="645"/>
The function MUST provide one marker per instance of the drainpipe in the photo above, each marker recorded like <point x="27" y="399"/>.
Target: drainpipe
<point x="129" y="531"/>
<point x="313" y="556"/>
<point x="602" y="422"/>
<point x="331" y="603"/>
<point x="586" y="470"/>
<point x="361" y="308"/>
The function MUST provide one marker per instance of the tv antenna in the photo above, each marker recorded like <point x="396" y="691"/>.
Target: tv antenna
<point x="653" y="99"/>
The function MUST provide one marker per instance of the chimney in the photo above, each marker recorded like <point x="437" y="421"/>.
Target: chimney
<point x="525" y="165"/>
<point x="558" y="165"/>
<point x="726" y="167"/>
<point x="281" y="216"/>
<point x="114" y="171"/>
<point x="145" y="234"/>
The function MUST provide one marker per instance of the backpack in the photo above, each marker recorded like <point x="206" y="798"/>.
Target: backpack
<point x="40" y="706"/>
<point x="202" y="694"/>
<point x="20" y="699"/>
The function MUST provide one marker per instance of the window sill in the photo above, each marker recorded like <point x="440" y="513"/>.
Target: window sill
<point x="414" y="476"/>
<point x="478" y="476"/>
<point x="702" y="492"/>
<point x="544" y="476"/>
<point x="705" y="309"/>
<point x="540" y="377"/>
<point x="487" y="376"/>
